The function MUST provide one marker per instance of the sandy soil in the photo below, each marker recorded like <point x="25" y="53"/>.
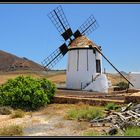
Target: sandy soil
<point x="55" y="78"/>
<point x="59" y="77"/>
<point x="6" y="76"/>
<point x="50" y="121"/>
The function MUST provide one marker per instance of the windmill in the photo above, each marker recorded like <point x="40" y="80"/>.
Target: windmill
<point x="84" y="68"/>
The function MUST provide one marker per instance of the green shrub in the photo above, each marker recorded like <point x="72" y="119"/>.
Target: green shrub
<point x="26" y="93"/>
<point x="132" y="131"/>
<point x="12" y="130"/>
<point x="85" y="113"/>
<point x="5" y="110"/>
<point x="18" y="114"/>
<point x="122" y="85"/>
<point x="111" y="106"/>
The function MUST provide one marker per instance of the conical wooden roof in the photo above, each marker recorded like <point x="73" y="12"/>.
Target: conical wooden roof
<point x="81" y="42"/>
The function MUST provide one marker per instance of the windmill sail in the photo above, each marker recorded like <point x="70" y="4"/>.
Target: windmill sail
<point x="59" y="19"/>
<point x="52" y="59"/>
<point x="87" y="27"/>
<point x="97" y="49"/>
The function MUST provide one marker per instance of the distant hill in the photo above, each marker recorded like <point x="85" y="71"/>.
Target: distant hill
<point x="10" y="62"/>
<point x="123" y="72"/>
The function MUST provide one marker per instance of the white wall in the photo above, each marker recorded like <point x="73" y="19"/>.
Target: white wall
<point x="134" y="78"/>
<point x="99" y="85"/>
<point x="74" y="78"/>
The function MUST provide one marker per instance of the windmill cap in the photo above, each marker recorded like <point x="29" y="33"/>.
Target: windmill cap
<point x="82" y="42"/>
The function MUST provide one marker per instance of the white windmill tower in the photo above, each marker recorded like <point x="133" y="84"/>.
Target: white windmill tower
<point x="84" y="68"/>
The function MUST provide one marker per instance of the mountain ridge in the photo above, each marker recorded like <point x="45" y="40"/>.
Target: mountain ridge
<point x="11" y="62"/>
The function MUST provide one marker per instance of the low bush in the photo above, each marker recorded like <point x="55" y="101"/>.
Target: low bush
<point x="111" y="106"/>
<point x="122" y="85"/>
<point x="86" y="113"/>
<point x="12" y="130"/>
<point x="132" y="131"/>
<point x="26" y="93"/>
<point x="5" y="110"/>
<point x="18" y="114"/>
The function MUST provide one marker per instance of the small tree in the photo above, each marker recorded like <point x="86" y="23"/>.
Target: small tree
<point x="26" y="93"/>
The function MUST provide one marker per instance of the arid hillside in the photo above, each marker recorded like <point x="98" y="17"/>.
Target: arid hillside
<point x="10" y="62"/>
<point x="116" y="78"/>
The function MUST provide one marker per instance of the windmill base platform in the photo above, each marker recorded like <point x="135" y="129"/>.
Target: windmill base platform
<point x="99" y="85"/>
<point x="68" y="96"/>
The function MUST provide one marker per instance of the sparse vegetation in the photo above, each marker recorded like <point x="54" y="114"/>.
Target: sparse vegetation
<point x="27" y="93"/>
<point x="56" y="110"/>
<point x="5" y="110"/>
<point x="132" y="131"/>
<point x="91" y="133"/>
<point x="85" y="112"/>
<point x="18" y="114"/>
<point x="122" y="85"/>
<point x="111" y="106"/>
<point x="12" y="130"/>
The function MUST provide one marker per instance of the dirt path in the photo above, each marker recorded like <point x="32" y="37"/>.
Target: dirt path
<point x="49" y="121"/>
<point x="54" y="126"/>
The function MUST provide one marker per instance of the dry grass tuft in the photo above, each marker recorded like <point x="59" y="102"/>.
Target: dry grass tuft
<point x="12" y="130"/>
<point x="5" y="110"/>
<point x="54" y="109"/>
<point x="18" y="114"/>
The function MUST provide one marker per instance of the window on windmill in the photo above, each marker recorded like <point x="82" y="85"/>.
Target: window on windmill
<point x="98" y="66"/>
<point x="94" y="51"/>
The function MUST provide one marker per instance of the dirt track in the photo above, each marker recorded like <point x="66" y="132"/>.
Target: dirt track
<point x="50" y="121"/>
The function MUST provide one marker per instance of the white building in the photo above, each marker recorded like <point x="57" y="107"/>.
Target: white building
<point x="134" y="78"/>
<point x="84" y="69"/>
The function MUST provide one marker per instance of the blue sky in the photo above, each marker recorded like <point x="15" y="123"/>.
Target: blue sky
<point x="26" y="31"/>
